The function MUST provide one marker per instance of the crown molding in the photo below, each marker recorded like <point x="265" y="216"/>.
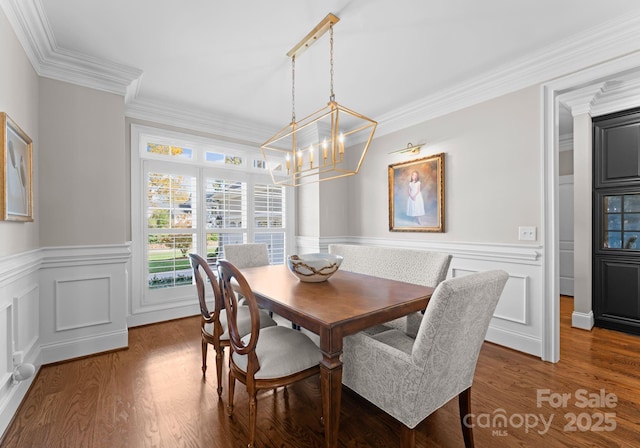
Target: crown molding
<point x="611" y="40"/>
<point x="604" y="97"/>
<point x="580" y="101"/>
<point x="29" y="22"/>
<point x="617" y="95"/>
<point x="179" y="116"/>
<point x="608" y="41"/>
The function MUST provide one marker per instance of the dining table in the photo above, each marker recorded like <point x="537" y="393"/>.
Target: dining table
<point x="344" y="304"/>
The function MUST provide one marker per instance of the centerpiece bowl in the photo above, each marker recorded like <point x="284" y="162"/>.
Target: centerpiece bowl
<point x="313" y="267"/>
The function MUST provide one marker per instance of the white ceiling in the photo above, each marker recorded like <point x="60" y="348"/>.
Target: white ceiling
<point x="228" y="58"/>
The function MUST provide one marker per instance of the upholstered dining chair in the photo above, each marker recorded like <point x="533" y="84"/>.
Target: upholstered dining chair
<point x="214" y="323"/>
<point x="266" y="358"/>
<point x="249" y="255"/>
<point x="411" y="378"/>
<point x="246" y="255"/>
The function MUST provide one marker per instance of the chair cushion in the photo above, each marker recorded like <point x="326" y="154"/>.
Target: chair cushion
<point x="281" y="352"/>
<point x="244" y="322"/>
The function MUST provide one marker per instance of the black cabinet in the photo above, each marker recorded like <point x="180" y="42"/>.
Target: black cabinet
<point x="616" y="221"/>
<point x="617" y="296"/>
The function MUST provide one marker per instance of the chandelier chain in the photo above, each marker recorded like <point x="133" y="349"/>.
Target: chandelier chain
<point x="293" y="89"/>
<point x="332" y="96"/>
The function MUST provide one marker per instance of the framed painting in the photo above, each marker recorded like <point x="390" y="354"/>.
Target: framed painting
<point x="16" y="181"/>
<point x="416" y="195"/>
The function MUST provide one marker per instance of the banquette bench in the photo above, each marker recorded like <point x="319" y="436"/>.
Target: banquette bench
<point x="405" y="265"/>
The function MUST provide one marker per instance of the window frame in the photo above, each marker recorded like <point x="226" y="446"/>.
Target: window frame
<point x="143" y="162"/>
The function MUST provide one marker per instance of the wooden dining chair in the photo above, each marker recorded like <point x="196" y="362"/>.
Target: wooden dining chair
<point x="410" y="378"/>
<point x="249" y="255"/>
<point x="214" y="329"/>
<point x="266" y="358"/>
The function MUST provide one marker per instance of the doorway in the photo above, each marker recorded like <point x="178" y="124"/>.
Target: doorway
<point x="599" y="90"/>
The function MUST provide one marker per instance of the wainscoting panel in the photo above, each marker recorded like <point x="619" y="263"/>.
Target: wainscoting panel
<point x="84" y="294"/>
<point x="26" y="319"/>
<point x="6" y="349"/>
<point x="19" y="327"/>
<point x="513" y="303"/>
<point x="89" y="298"/>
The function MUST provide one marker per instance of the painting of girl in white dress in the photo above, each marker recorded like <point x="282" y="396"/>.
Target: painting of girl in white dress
<point x="17" y="172"/>
<point x="416" y="195"/>
<point x="415" y="202"/>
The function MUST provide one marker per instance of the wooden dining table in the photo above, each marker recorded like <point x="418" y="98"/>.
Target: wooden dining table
<point x="341" y="306"/>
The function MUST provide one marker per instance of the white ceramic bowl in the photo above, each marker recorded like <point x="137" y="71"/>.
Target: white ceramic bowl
<point x="313" y="267"/>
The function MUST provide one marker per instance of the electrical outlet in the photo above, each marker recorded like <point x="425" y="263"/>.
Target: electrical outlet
<point x="18" y="358"/>
<point x="526" y="233"/>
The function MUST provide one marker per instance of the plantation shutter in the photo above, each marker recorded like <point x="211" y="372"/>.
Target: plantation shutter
<point x="269" y="219"/>
<point x="171" y="228"/>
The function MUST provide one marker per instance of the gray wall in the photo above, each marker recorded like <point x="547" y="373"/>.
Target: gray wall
<point x="492" y="172"/>
<point x="565" y="162"/>
<point x="19" y="99"/>
<point x="83" y="172"/>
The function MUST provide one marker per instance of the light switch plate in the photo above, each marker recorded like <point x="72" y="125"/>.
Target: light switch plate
<point x="526" y="233"/>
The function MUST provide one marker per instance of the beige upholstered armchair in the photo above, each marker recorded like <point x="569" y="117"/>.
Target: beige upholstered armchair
<point x="411" y="378"/>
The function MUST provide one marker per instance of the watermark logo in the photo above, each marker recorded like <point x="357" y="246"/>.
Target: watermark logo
<point x="596" y="404"/>
<point x="500" y="422"/>
<point x="597" y="415"/>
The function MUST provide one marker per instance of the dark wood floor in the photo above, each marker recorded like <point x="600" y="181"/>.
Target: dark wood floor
<point x="154" y="395"/>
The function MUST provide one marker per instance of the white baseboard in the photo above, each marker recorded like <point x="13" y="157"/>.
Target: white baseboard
<point x="516" y="341"/>
<point x="584" y="321"/>
<point x="150" y="317"/>
<point x="12" y="402"/>
<point x="76" y="348"/>
<point x="15" y="393"/>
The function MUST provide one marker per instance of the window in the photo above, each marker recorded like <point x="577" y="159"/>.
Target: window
<point x="621" y="221"/>
<point x="171" y="216"/>
<point x="193" y="196"/>
<point x="269" y="217"/>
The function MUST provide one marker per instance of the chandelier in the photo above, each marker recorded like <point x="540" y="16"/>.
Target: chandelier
<point x="328" y="144"/>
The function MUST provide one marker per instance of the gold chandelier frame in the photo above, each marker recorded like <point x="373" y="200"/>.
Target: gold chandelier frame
<point x="328" y="144"/>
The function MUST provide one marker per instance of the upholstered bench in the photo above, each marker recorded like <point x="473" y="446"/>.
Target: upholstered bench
<point x="405" y="265"/>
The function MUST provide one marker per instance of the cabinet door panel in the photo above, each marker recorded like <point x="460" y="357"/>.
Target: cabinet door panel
<point x="617" y="302"/>
<point x="617" y="150"/>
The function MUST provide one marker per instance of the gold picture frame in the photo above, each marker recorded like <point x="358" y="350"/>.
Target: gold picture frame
<point x="16" y="180"/>
<point x="416" y="195"/>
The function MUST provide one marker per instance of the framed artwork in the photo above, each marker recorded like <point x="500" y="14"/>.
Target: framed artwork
<point x="16" y="183"/>
<point x="416" y="195"/>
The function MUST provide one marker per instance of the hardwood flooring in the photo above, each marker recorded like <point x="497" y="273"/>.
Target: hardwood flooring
<point x="153" y="395"/>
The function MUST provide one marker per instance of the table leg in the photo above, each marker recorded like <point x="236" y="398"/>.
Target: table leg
<point x="331" y="384"/>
